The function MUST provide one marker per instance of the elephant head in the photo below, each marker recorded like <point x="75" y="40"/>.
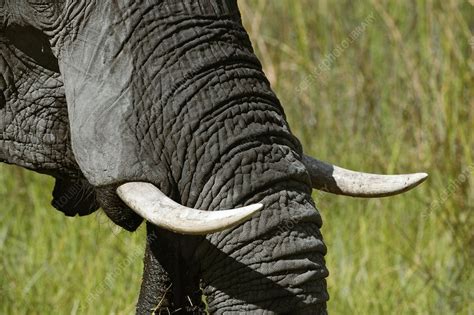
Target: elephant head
<point x="156" y="108"/>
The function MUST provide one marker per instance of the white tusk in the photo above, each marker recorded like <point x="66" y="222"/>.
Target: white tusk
<point x="337" y="180"/>
<point x="155" y="207"/>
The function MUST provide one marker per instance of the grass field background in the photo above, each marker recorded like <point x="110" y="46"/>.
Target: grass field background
<point x="379" y="86"/>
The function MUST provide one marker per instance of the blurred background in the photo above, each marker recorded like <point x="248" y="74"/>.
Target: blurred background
<point x="378" y="86"/>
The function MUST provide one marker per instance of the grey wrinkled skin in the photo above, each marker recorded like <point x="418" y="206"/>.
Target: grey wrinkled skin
<point x="98" y="93"/>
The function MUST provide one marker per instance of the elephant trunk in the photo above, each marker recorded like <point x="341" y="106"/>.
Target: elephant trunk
<point x="231" y="146"/>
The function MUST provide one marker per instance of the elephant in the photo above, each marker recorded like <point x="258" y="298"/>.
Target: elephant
<point x="159" y="111"/>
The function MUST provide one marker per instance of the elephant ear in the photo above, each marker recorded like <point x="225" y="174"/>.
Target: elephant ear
<point x="74" y="197"/>
<point x="35" y="125"/>
<point x="34" y="128"/>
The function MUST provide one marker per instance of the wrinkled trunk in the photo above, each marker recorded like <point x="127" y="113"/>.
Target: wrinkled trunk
<point x="172" y="94"/>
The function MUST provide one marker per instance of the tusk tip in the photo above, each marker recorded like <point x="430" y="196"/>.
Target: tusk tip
<point x="400" y="183"/>
<point x="256" y="207"/>
<point x="250" y="210"/>
<point x="416" y="179"/>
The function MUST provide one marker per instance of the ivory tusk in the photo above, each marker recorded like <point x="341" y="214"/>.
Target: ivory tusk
<point x="337" y="180"/>
<point x="155" y="207"/>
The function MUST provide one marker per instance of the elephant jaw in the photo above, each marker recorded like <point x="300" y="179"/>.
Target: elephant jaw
<point x="155" y="207"/>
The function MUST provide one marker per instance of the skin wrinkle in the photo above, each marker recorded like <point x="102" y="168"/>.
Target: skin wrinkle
<point x="34" y="110"/>
<point x="157" y="132"/>
<point x="182" y="85"/>
<point x="69" y="22"/>
<point x="256" y="290"/>
<point x="184" y="22"/>
<point x="197" y="77"/>
<point x="244" y="236"/>
<point x="267" y="257"/>
<point x="225" y="272"/>
<point x="128" y="16"/>
<point x="287" y="276"/>
<point x="152" y="137"/>
<point x="171" y="91"/>
<point x="213" y="164"/>
<point x="243" y="96"/>
<point x="196" y="127"/>
<point x="244" y="284"/>
<point x="175" y="49"/>
<point x="240" y="241"/>
<point x="220" y="189"/>
<point x="253" y="288"/>
<point x="203" y="125"/>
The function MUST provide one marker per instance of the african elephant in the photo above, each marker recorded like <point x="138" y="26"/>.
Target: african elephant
<point x="154" y="109"/>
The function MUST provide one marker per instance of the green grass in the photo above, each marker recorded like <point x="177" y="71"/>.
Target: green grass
<point x="398" y="98"/>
